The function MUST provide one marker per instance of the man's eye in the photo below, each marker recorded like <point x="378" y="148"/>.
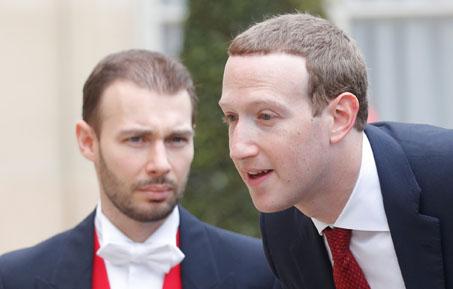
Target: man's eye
<point x="178" y="139"/>
<point x="135" y="139"/>
<point x="229" y="118"/>
<point x="266" y="116"/>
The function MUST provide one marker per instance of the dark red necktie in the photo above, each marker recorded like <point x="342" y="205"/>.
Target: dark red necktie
<point x="346" y="271"/>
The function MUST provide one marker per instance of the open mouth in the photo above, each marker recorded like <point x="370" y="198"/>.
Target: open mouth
<point x="257" y="174"/>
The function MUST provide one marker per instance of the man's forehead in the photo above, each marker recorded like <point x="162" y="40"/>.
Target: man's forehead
<point x="130" y="106"/>
<point x="265" y="79"/>
<point x="265" y="70"/>
<point x="122" y="94"/>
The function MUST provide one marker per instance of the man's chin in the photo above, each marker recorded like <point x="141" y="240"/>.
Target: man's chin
<point x="152" y="213"/>
<point x="268" y="206"/>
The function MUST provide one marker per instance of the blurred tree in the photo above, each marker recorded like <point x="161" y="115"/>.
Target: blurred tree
<point x="215" y="192"/>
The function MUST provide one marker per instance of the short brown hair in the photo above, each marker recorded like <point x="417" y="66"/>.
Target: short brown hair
<point x="334" y="62"/>
<point x="146" y="69"/>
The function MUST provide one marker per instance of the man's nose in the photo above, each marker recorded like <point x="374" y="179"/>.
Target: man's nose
<point x="158" y="163"/>
<point x="242" y="144"/>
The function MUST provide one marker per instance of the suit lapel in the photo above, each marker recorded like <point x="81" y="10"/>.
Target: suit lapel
<point x="310" y="256"/>
<point x="199" y="269"/>
<point x="74" y="268"/>
<point x="416" y="237"/>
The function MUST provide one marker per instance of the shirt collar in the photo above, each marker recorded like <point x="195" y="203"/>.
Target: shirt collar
<point x="364" y="211"/>
<point x="109" y="233"/>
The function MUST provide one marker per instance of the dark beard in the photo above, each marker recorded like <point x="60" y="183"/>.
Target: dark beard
<point x="120" y="195"/>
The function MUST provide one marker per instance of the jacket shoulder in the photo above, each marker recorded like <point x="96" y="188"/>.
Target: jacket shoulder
<point x="415" y="138"/>
<point x="19" y="268"/>
<point x="428" y="149"/>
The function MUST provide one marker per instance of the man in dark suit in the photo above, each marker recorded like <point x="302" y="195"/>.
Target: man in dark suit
<point x="137" y="129"/>
<point x="345" y="204"/>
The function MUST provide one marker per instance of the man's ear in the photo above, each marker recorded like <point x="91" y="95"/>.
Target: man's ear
<point x="87" y="140"/>
<point x="343" y="109"/>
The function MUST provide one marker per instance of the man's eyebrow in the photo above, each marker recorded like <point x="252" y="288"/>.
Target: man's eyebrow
<point x="134" y="131"/>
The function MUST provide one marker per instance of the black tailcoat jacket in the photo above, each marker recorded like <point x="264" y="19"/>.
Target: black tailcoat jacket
<point x="215" y="259"/>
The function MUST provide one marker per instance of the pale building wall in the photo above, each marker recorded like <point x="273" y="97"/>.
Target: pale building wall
<point x="408" y="46"/>
<point x="48" y="49"/>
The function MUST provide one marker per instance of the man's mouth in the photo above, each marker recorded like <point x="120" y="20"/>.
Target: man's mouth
<point x="156" y="185"/>
<point x="256" y="174"/>
<point x="156" y="193"/>
<point x="156" y="188"/>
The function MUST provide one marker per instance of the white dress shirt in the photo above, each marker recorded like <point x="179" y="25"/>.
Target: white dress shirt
<point x="134" y="275"/>
<point x="371" y="242"/>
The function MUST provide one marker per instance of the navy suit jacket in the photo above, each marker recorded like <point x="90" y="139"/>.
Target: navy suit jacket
<point x="215" y="259"/>
<point x="415" y="169"/>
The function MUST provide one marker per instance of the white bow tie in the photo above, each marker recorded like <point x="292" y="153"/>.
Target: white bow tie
<point x="157" y="257"/>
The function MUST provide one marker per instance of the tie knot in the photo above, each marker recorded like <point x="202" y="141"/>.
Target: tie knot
<point x="338" y="239"/>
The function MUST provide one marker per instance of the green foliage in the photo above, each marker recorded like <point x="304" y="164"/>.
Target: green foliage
<point x="215" y="192"/>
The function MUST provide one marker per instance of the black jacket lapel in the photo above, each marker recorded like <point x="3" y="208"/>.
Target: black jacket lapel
<point x="416" y="237"/>
<point x="199" y="269"/>
<point x="310" y="255"/>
